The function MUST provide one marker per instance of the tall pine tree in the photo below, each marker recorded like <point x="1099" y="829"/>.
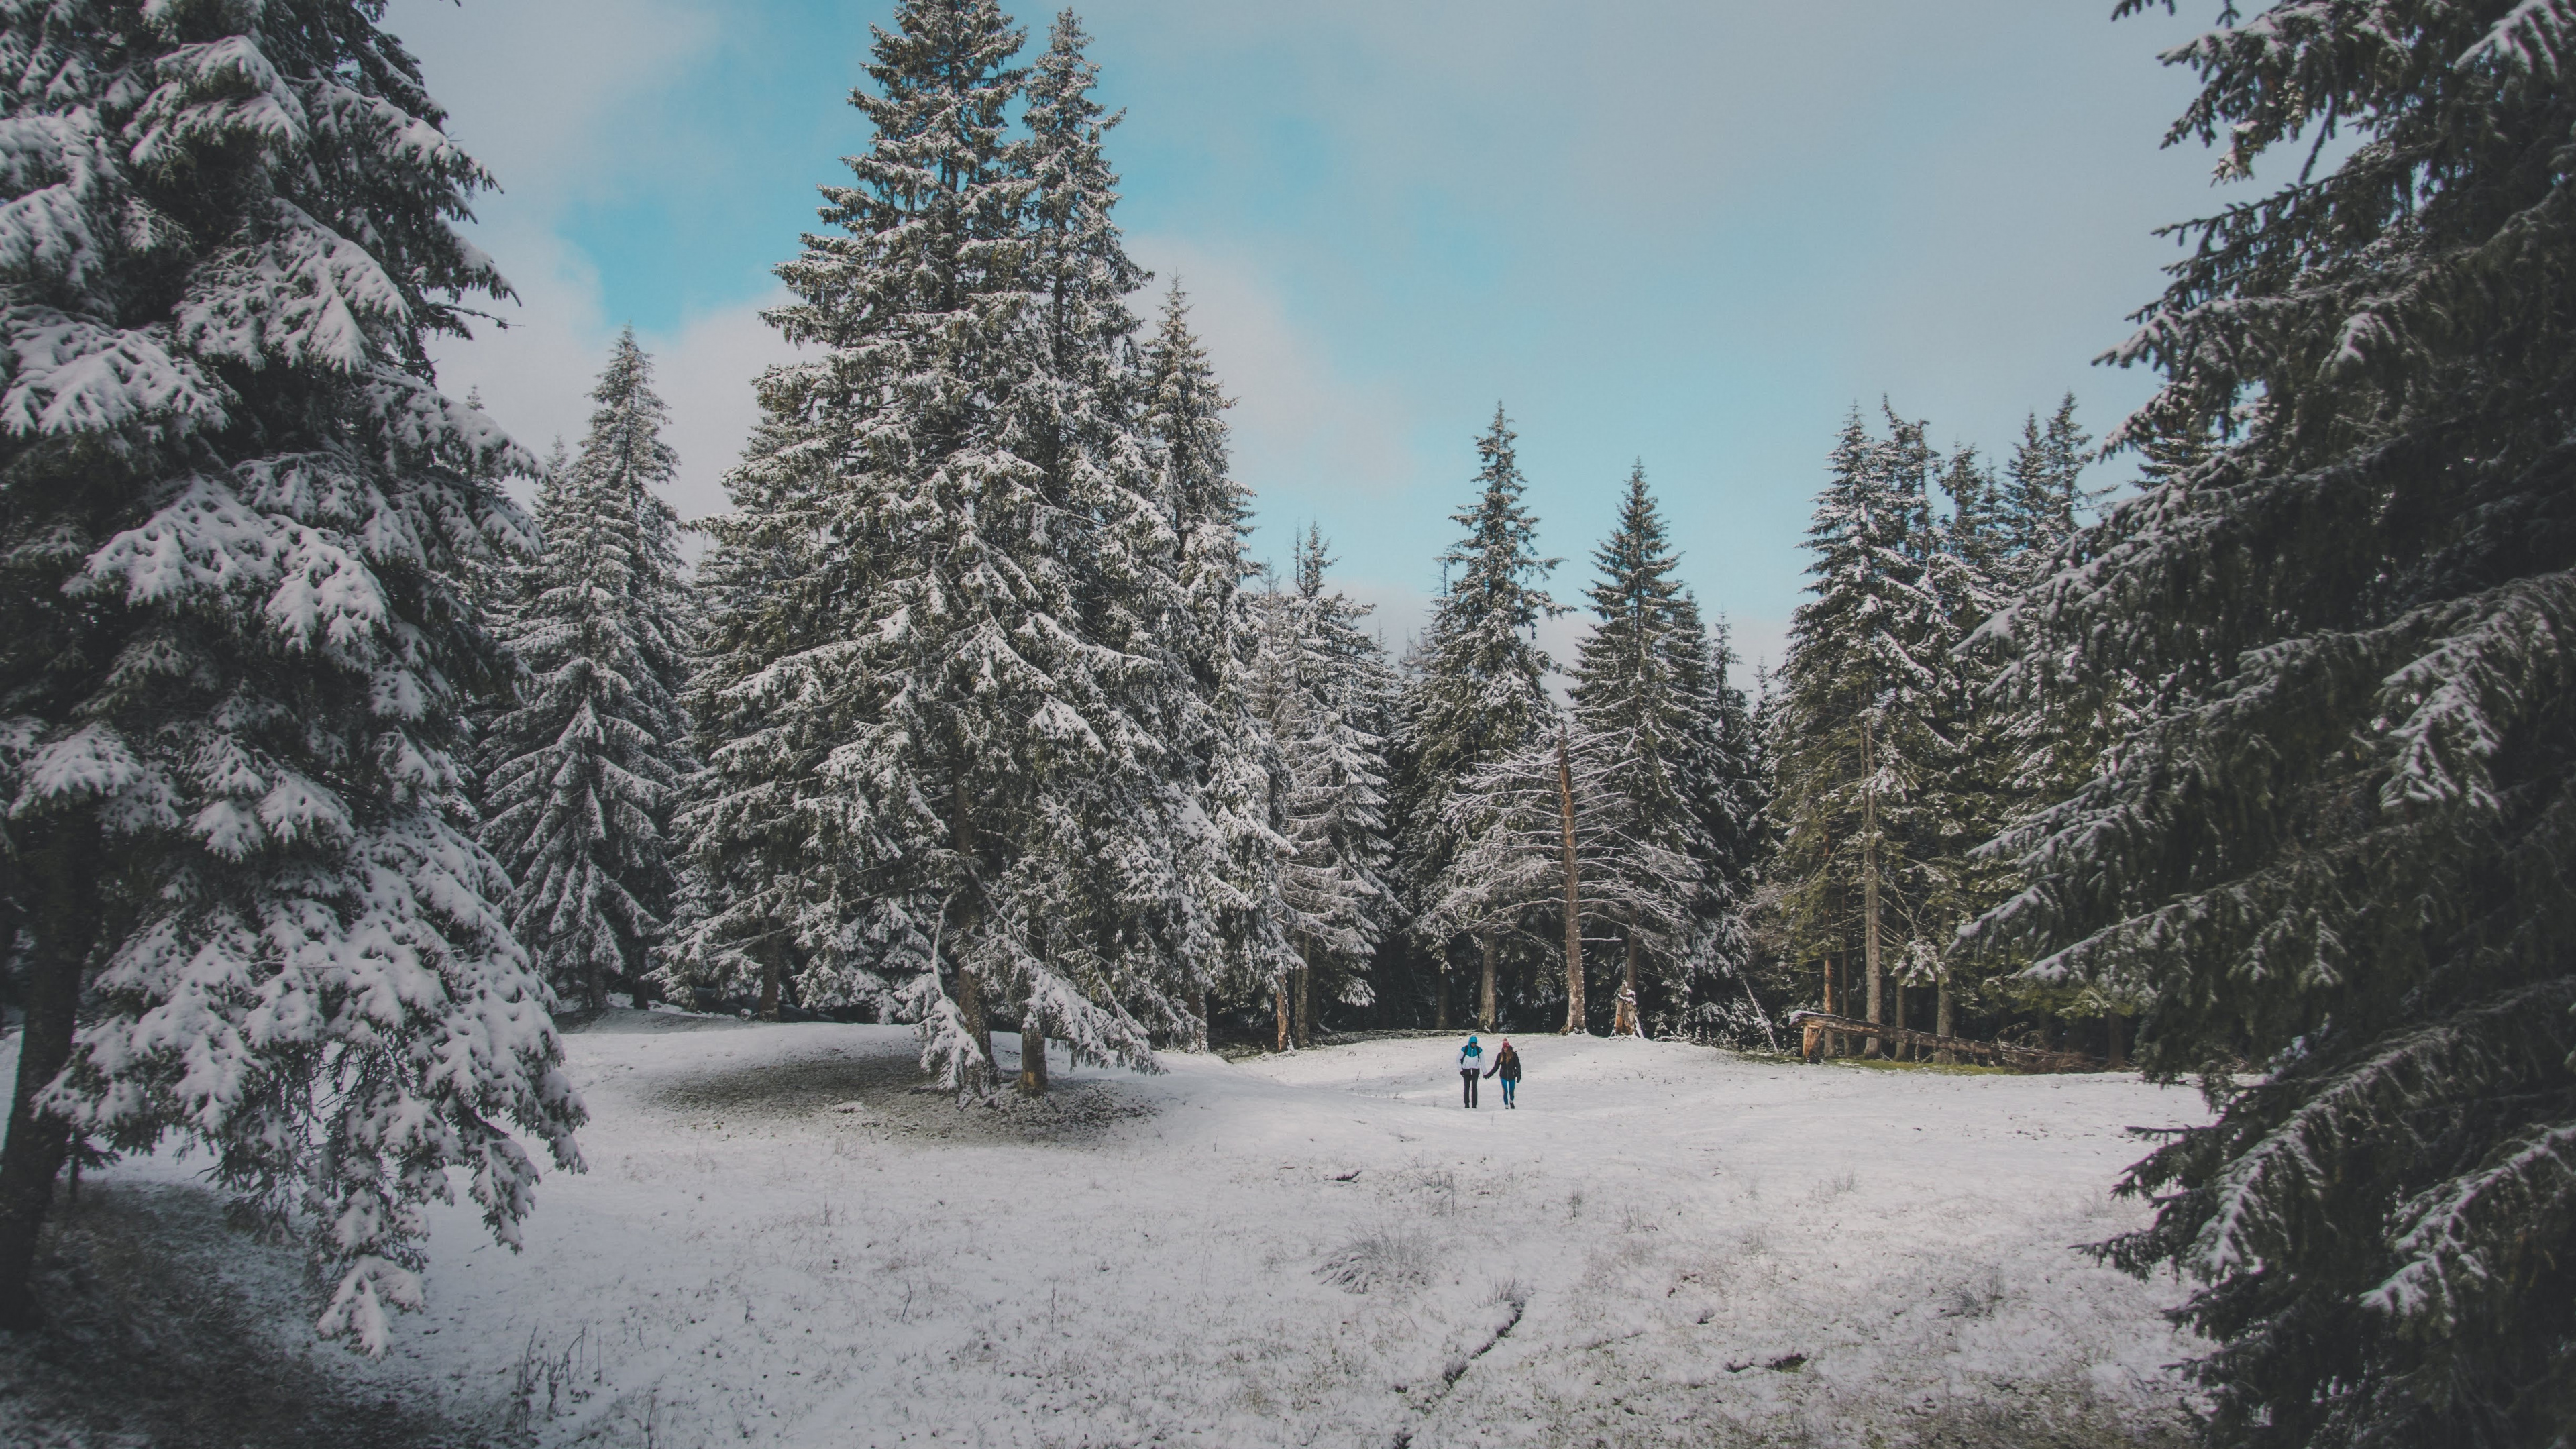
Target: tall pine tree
<point x="1480" y="695"/>
<point x="1858" y="729"/>
<point x="1642" y="686"/>
<point x="578" y="791"/>
<point x="1240" y="939"/>
<point x="2332" y="837"/>
<point x="1328" y="696"/>
<point x="924" y="681"/>
<point x="238" y="522"/>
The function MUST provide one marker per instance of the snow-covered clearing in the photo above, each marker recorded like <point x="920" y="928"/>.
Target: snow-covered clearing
<point x="780" y="1241"/>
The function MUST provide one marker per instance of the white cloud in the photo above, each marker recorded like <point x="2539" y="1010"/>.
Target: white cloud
<point x="536" y="374"/>
<point x="544" y="92"/>
<point x="549" y="95"/>
<point x="1300" y="427"/>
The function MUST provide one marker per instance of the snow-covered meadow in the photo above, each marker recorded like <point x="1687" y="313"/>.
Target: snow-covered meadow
<point x="781" y="1241"/>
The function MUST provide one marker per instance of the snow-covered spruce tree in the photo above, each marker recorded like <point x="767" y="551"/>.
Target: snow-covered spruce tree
<point x="1966" y="758"/>
<point x="2041" y="501"/>
<point x="2003" y="535"/>
<point x="2333" y="840"/>
<point x="1241" y="943"/>
<point x="1327" y="693"/>
<point x="1859" y="715"/>
<point x="750" y="884"/>
<point x="1642" y="687"/>
<point x="237" y="515"/>
<point x="1481" y="692"/>
<point x="578" y="786"/>
<point x="1127" y="918"/>
<point x="1730" y="802"/>
<point x="910" y="729"/>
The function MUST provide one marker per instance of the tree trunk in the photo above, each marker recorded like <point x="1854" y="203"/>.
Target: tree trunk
<point x="1485" y="982"/>
<point x="1305" y="1006"/>
<point x="64" y="926"/>
<point x="970" y="1009"/>
<point x="970" y="991"/>
<point x="1033" y="1062"/>
<point x="1279" y="998"/>
<point x="1941" y="1016"/>
<point x="1869" y="890"/>
<point x="1203" y="1019"/>
<point x="2119" y="1052"/>
<point x="595" y="988"/>
<point x="1440" y="1002"/>
<point x="1832" y="1044"/>
<point x="1573" y="894"/>
<point x="769" y="975"/>
<point x="1627" y="1023"/>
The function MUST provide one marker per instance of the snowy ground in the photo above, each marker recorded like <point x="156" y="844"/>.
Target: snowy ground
<point x="780" y="1241"/>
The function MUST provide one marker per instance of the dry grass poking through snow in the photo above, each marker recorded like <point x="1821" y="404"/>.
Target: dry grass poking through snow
<point x="782" y="1242"/>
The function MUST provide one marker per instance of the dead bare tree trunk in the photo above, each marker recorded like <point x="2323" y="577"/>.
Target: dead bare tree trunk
<point x="1033" y="1062"/>
<point x="1485" y="982"/>
<point x="1573" y="891"/>
<point x="1869" y="887"/>
<point x="64" y="927"/>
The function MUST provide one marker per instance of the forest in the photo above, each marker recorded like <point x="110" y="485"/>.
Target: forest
<point x="342" y="783"/>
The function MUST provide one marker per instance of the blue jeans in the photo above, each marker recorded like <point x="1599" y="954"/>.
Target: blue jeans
<point x="1508" y="1084"/>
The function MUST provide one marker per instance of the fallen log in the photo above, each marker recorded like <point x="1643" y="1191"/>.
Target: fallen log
<point x="1815" y="1025"/>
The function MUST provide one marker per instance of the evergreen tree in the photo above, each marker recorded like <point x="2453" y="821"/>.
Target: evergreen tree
<point x="237" y="523"/>
<point x="1240" y="940"/>
<point x="2037" y="509"/>
<point x="2331" y="836"/>
<point x="920" y="691"/>
<point x="1480" y="695"/>
<point x="1641" y="688"/>
<point x="1858" y="729"/>
<point x="1729" y="802"/>
<point x="751" y="888"/>
<point x="1129" y="916"/>
<point x="1328" y="695"/>
<point x="577" y="797"/>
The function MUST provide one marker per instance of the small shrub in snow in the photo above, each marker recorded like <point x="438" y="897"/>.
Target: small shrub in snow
<point x="1380" y="1258"/>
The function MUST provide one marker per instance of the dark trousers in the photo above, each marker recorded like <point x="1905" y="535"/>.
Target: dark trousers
<point x="1469" y="1079"/>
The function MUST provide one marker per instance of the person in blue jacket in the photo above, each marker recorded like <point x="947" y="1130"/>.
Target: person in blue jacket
<point x="1471" y="1065"/>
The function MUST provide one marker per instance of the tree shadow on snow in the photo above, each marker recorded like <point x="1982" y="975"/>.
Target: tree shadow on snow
<point x="885" y="1093"/>
<point x="168" y="1328"/>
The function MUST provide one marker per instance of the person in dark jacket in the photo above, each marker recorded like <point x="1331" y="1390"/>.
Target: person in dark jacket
<point x="1507" y="1066"/>
<point x="1471" y="1065"/>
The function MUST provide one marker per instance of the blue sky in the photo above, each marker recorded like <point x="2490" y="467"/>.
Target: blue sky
<point x="1692" y="233"/>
